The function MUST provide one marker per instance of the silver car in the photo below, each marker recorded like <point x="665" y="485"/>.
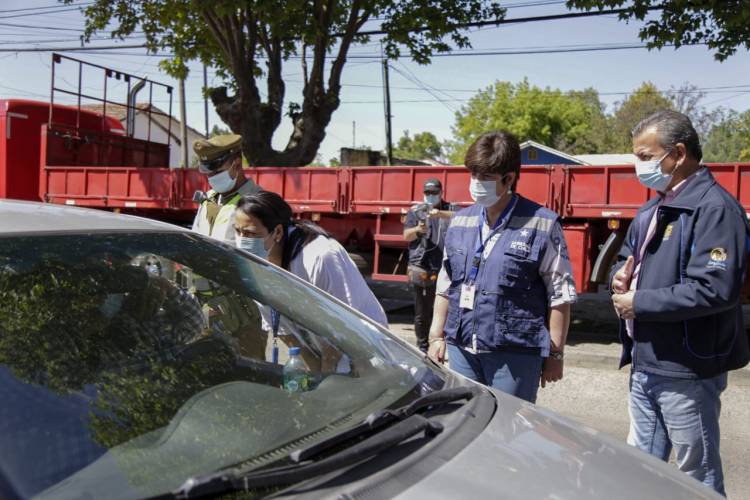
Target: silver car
<point x="138" y="359"/>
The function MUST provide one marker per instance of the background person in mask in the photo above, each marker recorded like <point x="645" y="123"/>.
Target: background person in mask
<point x="677" y="290"/>
<point x="220" y="159"/>
<point x="504" y="291"/>
<point x="264" y="227"/>
<point x="424" y="229"/>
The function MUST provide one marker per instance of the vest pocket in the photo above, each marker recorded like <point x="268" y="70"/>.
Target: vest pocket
<point x="515" y="275"/>
<point x="522" y="331"/>
<point x="457" y="263"/>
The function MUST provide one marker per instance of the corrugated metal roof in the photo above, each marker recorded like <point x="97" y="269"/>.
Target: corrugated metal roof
<point x="551" y="151"/>
<point x="607" y="159"/>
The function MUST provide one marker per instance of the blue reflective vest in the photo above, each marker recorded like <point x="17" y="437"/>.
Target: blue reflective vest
<point x="510" y="301"/>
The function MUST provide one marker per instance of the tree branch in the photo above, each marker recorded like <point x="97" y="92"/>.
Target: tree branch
<point x="304" y="65"/>
<point x="353" y="26"/>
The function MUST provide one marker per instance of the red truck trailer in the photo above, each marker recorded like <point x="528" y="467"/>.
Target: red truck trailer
<point x="61" y="154"/>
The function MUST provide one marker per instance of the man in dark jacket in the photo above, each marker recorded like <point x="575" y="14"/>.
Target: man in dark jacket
<point x="676" y="287"/>
<point x="424" y="229"/>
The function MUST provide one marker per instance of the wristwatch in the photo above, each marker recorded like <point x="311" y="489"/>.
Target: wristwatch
<point x="556" y="355"/>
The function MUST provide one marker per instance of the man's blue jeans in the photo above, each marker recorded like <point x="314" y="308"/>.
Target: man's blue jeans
<point x="683" y="414"/>
<point x="517" y="373"/>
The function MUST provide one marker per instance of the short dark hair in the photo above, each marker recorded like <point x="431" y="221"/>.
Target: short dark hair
<point x="672" y="128"/>
<point x="495" y="152"/>
<point x="272" y="210"/>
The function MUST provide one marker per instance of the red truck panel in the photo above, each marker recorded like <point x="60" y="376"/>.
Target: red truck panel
<point x="396" y="189"/>
<point x="310" y="189"/>
<point x="20" y="123"/>
<point x="613" y="192"/>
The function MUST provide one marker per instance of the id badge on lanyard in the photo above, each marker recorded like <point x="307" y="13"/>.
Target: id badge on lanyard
<point x="467" y="296"/>
<point x="469" y="288"/>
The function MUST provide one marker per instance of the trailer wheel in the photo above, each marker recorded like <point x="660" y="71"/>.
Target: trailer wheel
<point x="606" y="257"/>
<point x="362" y="263"/>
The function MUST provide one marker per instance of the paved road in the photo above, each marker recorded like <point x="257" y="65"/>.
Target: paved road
<point x="593" y="392"/>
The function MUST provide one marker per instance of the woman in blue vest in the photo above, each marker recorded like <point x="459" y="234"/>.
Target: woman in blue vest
<point x="502" y="308"/>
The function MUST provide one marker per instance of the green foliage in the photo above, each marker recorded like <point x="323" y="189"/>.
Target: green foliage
<point x="576" y="122"/>
<point x="423" y="145"/>
<point x="729" y="140"/>
<point x="249" y="41"/>
<point x="565" y="120"/>
<point x="723" y="25"/>
<point x="643" y="102"/>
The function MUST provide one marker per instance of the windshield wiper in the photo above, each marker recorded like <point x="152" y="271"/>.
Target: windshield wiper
<point x="380" y="418"/>
<point x="408" y="424"/>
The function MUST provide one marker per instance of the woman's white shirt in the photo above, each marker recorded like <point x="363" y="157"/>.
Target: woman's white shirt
<point x="325" y="264"/>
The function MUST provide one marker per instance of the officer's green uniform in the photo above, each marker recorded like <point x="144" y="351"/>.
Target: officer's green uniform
<point x="236" y="316"/>
<point x="215" y="217"/>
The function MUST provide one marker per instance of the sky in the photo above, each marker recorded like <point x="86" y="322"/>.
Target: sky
<point x="359" y="121"/>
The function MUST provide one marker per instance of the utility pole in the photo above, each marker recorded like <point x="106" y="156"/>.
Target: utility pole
<point x="354" y="135"/>
<point x="205" y="98"/>
<point x="183" y="126"/>
<point x="387" y="104"/>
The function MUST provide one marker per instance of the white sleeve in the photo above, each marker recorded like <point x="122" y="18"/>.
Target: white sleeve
<point x="556" y="271"/>
<point x="198" y="215"/>
<point x="327" y="272"/>
<point x="443" y="281"/>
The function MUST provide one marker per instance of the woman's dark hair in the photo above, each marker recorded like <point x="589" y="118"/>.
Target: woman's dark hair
<point x="494" y="153"/>
<point x="272" y="210"/>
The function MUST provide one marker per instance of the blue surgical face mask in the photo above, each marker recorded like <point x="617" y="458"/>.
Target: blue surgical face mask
<point x="253" y="245"/>
<point x="650" y="175"/>
<point x="112" y="304"/>
<point x="432" y="199"/>
<point x="222" y="182"/>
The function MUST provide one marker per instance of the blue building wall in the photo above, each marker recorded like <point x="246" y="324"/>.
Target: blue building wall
<point x="542" y="157"/>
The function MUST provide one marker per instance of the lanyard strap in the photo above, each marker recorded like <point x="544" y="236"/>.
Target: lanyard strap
<point x="482" y="242"/>
<point x="275" y="320"/>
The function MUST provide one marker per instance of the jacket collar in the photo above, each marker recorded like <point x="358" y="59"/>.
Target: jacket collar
<point x="689" y="197"/>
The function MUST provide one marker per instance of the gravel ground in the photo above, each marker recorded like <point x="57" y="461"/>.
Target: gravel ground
<point x="594" y="393"/>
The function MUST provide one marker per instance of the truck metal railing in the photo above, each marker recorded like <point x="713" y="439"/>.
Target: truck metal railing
<point x="130" y="107"/>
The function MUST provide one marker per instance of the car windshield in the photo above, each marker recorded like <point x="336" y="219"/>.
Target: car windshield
<point x="132" y="361"/>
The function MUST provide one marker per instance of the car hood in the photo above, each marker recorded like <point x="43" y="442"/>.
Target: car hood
<point x="529" y="452"/>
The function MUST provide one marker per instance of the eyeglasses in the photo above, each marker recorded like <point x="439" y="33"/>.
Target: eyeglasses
<point x="215" y="164"/>
<point x="432" y="192"/>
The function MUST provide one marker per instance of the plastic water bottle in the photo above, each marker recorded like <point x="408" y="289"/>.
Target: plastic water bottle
<point x="296" y="376"/>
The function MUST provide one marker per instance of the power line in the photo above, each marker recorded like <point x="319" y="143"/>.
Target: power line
<point x="25" y="9"/>
<point x="56" y="11"/>
<point x="551" y="17"/>
<point x="16" y="42"/>
<point x="31" y="26"/>
<point x="77" y="49"/>
<point x="104" y="50"/>
<point x="530" y="19"/>
<point x="424" y="87"/>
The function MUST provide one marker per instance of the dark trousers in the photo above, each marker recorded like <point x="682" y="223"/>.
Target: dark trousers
<point x="424" y="299"/>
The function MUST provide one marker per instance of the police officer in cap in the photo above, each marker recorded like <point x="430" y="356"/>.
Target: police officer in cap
<point x="220" y="159"/>
<point x="424" y="229"/>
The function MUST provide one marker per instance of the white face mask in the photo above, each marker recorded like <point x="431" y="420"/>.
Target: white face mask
<point x="432" y="199"/>
<point x="253" y="245"/>
<point x="650" y="175"/>
<point x="484" y="193"/>
<point x="154" y="269"/>
<point x="223" y="182"/>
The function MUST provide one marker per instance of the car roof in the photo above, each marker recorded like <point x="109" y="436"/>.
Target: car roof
<point x="32" y="217"/>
